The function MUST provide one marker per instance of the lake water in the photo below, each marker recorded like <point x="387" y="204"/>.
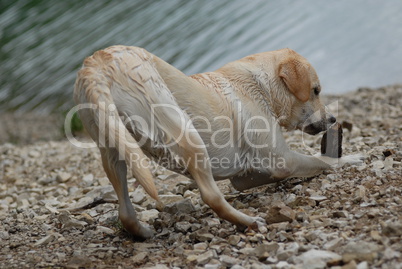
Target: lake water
<point x="351" y="44"/>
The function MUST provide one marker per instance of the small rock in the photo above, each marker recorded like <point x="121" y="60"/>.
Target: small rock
<point x="263" y="251"/>
<point x="45" y="240"/>
<point x="184" y="206"/>
<point x="316" y="259"/>
<point x="138" y="196"/>
<point x="361" y="251"/>
<point x="69" y="222"/>
<point x="375" y="235"/>
<point x="148" y="215"/>
<point x="103" y="229"/>
<point x="362" y="265"/>
<point x="234" y="239"/>
<point x="228" y="261"/>
<point x="23" y="203"/>
<point x="63" y="177"/>
<point x="87" y="218"/>
<point x="51" y="209"/>
<point x="88" y="179"/>
<point x="390" y="254"/>
<point x="279" y="212"/>
<point x="192" y="257"/>
<point x="140" y="258"/>
<point x="79" y="261"/>
<point x="4" y="235"/>
<point x="333" y="244"/>
<point x="103" y="181"/>
<point x="205" y="257"/>
<point x="318" y="198"/>
<point x="34" y="154"/>
<point x="392" y="228"/>
<point x="360" y="193"/>
<point x="271" y="260"/>
<point x="214" y="222"/>
<point x="340" y="214"/>
<point x="283" y="255"/>
<point x="200" y="246"/>
<point x="182" y="226"/>
<point x="351" y="265"/>
<point x="214" y="264"/>
<point x="170" y="198"/>
<point x="202" y="236"/>
<point x="74" y="223"/>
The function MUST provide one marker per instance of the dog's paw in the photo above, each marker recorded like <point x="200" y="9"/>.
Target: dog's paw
<point x="334" y="163"/>
<point x="356" y="159"/>
<point x="258" y="224"/>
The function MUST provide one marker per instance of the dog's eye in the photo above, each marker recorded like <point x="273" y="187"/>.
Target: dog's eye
<point x="316" y="91"/>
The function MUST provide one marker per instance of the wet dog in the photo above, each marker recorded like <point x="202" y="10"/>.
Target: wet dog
<point x="209" y="126"/>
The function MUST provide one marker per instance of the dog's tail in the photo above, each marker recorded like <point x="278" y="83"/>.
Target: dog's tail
<point x="93" y="86"/>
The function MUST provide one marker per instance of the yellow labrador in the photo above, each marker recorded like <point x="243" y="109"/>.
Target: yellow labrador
<point x="210" y="126"/>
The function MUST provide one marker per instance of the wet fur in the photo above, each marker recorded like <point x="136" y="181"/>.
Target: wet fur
<point x="126" y="82"/>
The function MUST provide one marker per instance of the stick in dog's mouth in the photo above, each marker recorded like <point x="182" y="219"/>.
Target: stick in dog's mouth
<point x="331" y="143"/>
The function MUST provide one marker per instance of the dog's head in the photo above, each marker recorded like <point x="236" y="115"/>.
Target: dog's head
<point x="288" y="83"/>
<point x="306" y="111"/>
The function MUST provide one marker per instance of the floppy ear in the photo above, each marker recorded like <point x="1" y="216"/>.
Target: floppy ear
<point x="296" y="77"/>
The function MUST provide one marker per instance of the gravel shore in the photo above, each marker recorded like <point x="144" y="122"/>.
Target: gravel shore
<point x="58" y="209"/>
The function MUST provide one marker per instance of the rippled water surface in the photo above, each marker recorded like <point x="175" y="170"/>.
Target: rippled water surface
<point x="43" y="43"/>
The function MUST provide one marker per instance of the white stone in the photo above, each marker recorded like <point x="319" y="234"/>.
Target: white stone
<point x="170" y="198"/>
<point x="63" y="176"/>
<point x="316" y="259"/>
<point x="138" y="196"/>
<point x="104" y="229"/>
<point x="88" y="179"/>
<point x="147" y="215"/>
<point x="45" y="240"/>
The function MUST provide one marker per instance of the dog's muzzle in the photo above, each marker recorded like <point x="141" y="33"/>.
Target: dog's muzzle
<point x="319" y="126"/>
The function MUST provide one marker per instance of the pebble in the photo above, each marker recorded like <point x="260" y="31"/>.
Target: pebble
<point x="206" y="257"/>
<point x="317" y="259"/>
<point x="138" y="196"/>
<point x="182" y="226"/>
<point x="88" y="179"/>
<point x="103" y="229"/>
<point x="228" y="261"/>
<point x="203" y="236"/>
<point x="148" y="215"/>
<point x="45" y="240"/>
<point x="183" y="206"/>
<point x="334" y="244"/>
<point x="234" y="239"/>
<point x="63" y="177"/>
<point x="200" y="246"/>
<point x="279" y="212"/>
<point x="392" y="228"/>
<point x="139" y="258"/>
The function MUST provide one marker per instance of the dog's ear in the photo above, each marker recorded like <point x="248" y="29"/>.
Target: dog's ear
<point x="297" y="79"/>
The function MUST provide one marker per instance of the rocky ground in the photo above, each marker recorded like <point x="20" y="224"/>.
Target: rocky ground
<point x="58" y="210"/>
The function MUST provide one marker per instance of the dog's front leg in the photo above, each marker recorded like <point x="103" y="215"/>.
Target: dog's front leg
<point x="301" y="165"/>
<point x="294" y="165"/>
<point x="253" y="179"/>
<point x="200" y="169"/>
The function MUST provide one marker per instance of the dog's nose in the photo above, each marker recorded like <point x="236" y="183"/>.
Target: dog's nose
<point x="332" y="119"/>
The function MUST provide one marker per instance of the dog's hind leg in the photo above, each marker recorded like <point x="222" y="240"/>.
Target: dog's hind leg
<point x="116" y="171"/>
